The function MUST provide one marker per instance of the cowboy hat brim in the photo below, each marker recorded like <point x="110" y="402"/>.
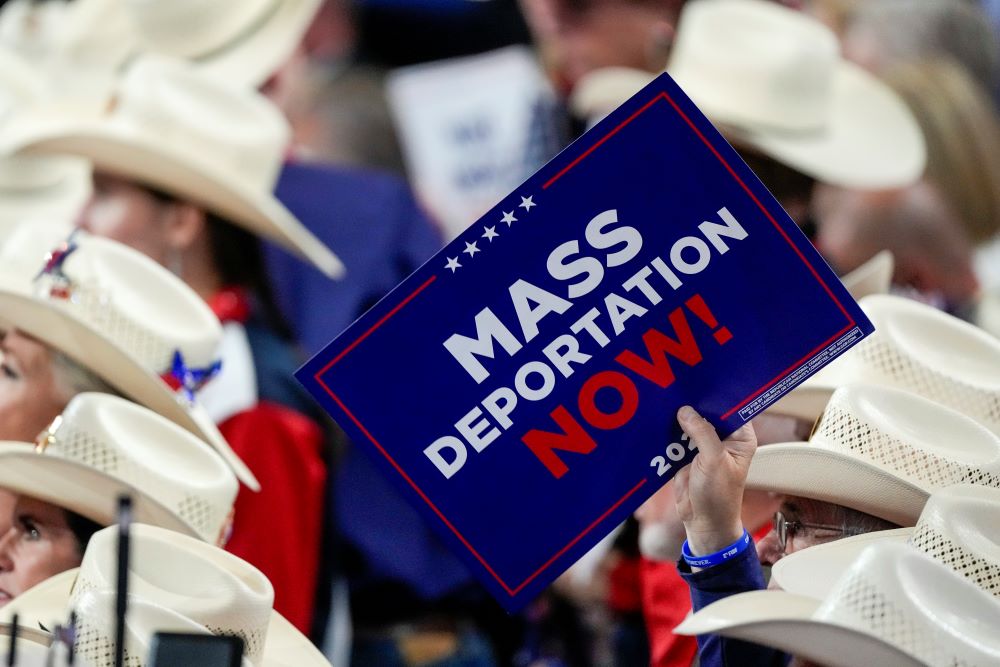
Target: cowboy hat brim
<point x="131" y="153"/>
<point x="80" y="488"/>
<point x="253" y="57"/>
<point x="40" y="605"/>
<point x="56" y="327"/>
<point x="54" y="191"/>
<point x="870" y="141"/>
<point x="800" y="469"/>
<point x="796" y="572"/>
<point x="784" y="621"/>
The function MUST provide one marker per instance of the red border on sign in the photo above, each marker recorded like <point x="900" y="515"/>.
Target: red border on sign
<point x="514" y="591"/>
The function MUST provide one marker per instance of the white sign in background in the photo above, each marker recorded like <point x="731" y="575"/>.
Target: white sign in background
<point x="472" y="129"/>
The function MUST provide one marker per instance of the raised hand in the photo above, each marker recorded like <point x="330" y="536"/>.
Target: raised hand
<point x="709" y="491"/>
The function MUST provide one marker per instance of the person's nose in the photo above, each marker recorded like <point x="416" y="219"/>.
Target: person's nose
<point x="769" y="549"/>
<point x="6" y="546"/>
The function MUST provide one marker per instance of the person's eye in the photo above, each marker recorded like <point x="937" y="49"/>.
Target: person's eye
<point x="31" y="532"/>
<point x="9" y="372"/>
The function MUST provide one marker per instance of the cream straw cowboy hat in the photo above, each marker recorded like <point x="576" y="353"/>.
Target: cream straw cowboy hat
<point x="772" y="78"/>
<point x="173" y="580"/>
<point x="894" y="606"/>
<point x="38" y="188"/>
<point x="188" y="134"/>
<point x="881" y="451"/>
<point x="103" y="446"/>
<point x="917" y="348"/>
<point x="959" y="527"/>
<point x="122" y="316"/>
<point x="243" y="41"/>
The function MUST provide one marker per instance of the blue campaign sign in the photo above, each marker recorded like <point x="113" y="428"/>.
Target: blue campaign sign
<point x="522" y="386"/>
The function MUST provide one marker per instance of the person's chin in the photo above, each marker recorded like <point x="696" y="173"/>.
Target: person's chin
<point x="5" y="597"/>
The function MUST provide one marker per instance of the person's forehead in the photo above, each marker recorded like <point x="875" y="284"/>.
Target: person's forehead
<point x="807" y="509"/>
<point x="39" y="510"/>
<point x="23" y="348"/>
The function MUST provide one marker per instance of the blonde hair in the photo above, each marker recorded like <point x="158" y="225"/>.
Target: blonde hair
<point x="962" y="131"/>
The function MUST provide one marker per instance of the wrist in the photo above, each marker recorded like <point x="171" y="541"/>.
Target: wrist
<point x="710" y="560"/>
<point x="711" y="539"/>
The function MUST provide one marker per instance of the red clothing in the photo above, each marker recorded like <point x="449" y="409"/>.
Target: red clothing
<point x="666" y="601"/>
<point x="278" y="529"/>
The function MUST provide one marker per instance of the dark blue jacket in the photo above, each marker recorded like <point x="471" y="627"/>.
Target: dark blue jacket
<point x="739" y="575"/>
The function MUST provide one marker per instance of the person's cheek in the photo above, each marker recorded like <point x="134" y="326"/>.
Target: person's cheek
<point x="106" y="217"/>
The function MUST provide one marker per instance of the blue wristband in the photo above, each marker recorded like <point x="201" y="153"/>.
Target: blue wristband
<point x="734" y="549"/>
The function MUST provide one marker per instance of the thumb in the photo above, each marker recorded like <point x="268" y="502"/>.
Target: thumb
<point x="701" y="432"/>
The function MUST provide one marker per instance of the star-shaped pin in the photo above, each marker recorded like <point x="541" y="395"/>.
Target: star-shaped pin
<point x="453" y="264"/>
<point x="526" y="203"/>
<point x="471" y="248"/>
<point x="509" y="218"/>
<point x="490" y="233"/>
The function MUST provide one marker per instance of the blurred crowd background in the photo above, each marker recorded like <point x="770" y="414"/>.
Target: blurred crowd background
<point x="406" y="120"/>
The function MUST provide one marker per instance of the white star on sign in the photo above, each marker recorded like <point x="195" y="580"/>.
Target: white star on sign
<point x="490" y="233"/>
<point x="526" y="203"/>
<point x="471" y="248"/>
<point x="453" y="264"/>
<point x="509" y="218"/>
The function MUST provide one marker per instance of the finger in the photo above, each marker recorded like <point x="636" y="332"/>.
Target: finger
<point x="742" y="442"/>
<point x="701" y="432"/>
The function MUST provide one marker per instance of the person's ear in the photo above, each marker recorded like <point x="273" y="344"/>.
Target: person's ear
<point x="185" y="224"/>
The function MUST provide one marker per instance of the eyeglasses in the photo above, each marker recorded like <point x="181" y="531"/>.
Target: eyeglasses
<point x="786" y="529"/>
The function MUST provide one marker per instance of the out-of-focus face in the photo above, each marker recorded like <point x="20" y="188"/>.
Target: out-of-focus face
<point x="607" y="33"/>
<point x="933" y="255"/>
<point x="39" y="545"/>
<point x="125" y="212"/>
<point x="30" y="397"/>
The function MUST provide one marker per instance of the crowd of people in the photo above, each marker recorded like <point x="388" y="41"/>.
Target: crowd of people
<point x="197" y="194"/>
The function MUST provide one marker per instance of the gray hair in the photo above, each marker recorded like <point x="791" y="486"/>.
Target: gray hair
<point x="72" y="378"/>
<point x="904" y="30"/>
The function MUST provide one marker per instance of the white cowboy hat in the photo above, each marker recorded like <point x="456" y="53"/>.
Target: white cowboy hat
<point x="880" y="451"/>
<point x="103" y="446"/>
<point x="894" y="606"/>
<point x="959" y="527"/>
<point x="917" y="348"/>
<point x="84" y="34"/>
<point x="122" y="316"/>
<point x="32" y="646"/>
<point x="187" y="134"/>
<point x="173" y="578"/>
<point x="243" y="41"/>
<point x="37" y="188"/>
<point x="42" y="189"/>
<point x="773" y="78"/>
